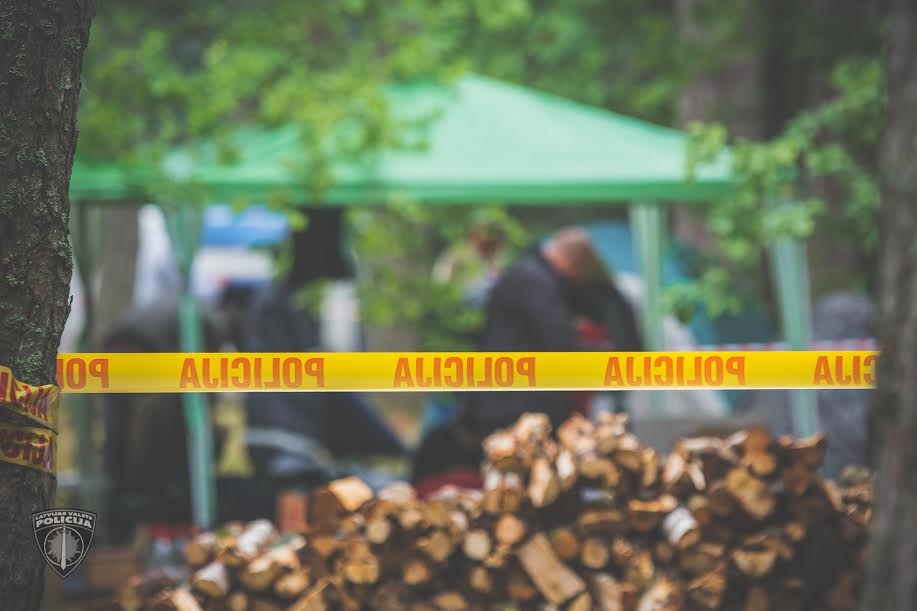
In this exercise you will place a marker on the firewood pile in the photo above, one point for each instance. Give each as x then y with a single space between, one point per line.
583 519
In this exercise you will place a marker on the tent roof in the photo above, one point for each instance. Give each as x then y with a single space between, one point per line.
490 141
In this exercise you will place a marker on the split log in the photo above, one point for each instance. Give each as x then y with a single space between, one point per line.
509 529
556 582
681 529
752 494
241 549
261 573
293 585
313 600
176 600
544 485
707 590
201 550
477 544
645 516
566 544
212 580
665 594
606 592
594 553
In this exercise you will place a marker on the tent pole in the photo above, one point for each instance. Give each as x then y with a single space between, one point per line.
788 256
646 224
184 225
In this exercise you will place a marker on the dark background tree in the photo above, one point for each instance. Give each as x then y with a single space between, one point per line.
892 578
41 53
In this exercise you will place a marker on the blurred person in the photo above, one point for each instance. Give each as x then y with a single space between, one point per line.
557 297
145 450
298 439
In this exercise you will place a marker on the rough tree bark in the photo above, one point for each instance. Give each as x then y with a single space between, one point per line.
41 51
892 577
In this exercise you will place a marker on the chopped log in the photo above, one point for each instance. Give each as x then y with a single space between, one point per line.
600 469
410 518
261 573
293 585
362 567
594 553
324 546
201 550
701 558
345 495
556 582
754 444
502 492
212 580
583 602
628 454
238 601
664 552
707 590
260 604
566 470
313 600
644 516
752 494
500 451
450 601
665 594
415 572
499 557
481 580
756 599
509 529
719 500
650 473
437 546
754 563
378 530
519 587
244 548
606 593
477 544
566 544
641 570
675 477
681 529
622 552
809 451
544 485
601 521
796 479
176 600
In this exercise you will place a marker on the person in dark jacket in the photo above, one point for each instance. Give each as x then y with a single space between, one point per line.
540 304
295 439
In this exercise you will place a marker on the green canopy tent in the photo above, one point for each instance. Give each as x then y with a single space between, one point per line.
478 141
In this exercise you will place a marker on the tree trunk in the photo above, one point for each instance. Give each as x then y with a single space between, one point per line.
41 51
892 578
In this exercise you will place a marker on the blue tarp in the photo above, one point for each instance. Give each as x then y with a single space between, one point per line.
256 226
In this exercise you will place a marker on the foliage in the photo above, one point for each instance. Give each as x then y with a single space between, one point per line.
818 149
399 246
163 74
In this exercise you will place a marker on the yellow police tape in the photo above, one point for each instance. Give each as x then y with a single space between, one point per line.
35 448
461 371
38 403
